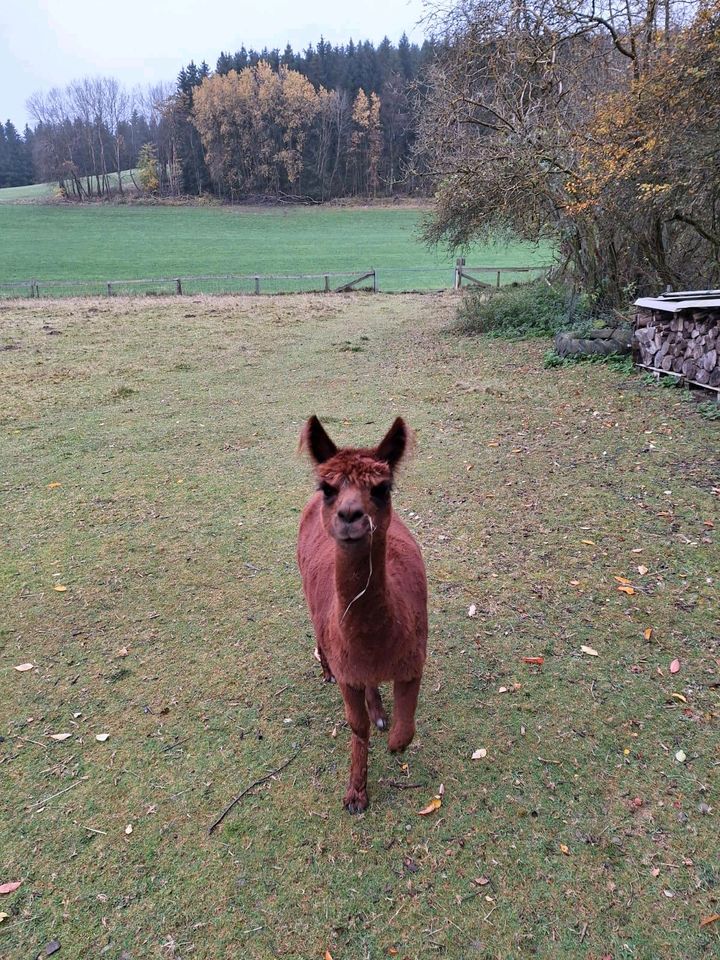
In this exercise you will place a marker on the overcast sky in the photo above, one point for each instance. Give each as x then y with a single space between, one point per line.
47 43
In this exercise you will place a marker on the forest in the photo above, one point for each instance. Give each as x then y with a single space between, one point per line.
330 121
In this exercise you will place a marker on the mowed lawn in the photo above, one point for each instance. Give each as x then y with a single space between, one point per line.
105 242
149 467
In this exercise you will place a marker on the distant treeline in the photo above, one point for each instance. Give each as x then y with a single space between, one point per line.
16 156
326 122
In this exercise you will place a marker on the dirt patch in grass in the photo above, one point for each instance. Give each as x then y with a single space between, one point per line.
149 467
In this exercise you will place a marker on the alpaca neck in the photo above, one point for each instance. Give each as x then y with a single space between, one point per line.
360 584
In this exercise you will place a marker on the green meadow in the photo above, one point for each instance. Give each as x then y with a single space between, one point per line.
102 242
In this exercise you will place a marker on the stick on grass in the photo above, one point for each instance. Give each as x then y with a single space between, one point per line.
247 790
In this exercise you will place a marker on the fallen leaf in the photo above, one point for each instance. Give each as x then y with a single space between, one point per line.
655 871
59 588
10 887
642 570
680 756
393 951
537 660
622 580
441 790
23 667
678 696
54 485
102 737
333 732
3 916
713 918
502 689
479 754
122 652
590 543
60 736
709 524
669 894
628 590
328 955
52 947
434 805
648 633
675 666
565 849
128 829
472 610
482 881
590 651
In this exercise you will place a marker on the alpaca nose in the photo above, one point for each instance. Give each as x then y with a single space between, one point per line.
351 513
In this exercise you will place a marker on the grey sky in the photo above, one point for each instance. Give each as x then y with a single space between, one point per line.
47 43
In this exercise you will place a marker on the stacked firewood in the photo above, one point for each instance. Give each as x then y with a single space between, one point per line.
686 343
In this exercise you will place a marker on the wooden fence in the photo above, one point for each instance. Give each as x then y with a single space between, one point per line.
413 279
463 272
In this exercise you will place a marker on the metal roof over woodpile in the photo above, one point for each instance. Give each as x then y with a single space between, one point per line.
682 300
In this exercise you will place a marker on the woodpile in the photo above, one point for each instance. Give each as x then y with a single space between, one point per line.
686 343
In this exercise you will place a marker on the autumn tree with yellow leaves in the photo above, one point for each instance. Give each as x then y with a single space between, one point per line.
366 142
589 124
254 125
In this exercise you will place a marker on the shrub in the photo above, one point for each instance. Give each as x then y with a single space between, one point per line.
531 310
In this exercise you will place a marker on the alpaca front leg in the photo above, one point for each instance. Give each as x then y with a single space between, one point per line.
403 723
356 798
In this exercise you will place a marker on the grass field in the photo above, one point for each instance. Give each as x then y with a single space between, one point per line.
41 192
149 468
102 242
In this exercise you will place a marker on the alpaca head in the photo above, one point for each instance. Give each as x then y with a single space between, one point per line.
355 483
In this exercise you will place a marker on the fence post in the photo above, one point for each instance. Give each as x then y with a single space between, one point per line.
459 264
375 284
327 283
178 286
498 280
109 289
257 285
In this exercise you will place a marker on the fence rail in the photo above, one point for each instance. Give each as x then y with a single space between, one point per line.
463 272
389 279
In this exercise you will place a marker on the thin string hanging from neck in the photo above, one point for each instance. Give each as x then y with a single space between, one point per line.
370 572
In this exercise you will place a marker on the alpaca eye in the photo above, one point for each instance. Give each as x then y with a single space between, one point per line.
328 491
380 492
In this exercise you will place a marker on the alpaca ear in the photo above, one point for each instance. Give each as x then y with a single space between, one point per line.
316 441
394 443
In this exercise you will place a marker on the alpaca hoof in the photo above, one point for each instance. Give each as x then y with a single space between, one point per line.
399 741
356 800
381 723
329 678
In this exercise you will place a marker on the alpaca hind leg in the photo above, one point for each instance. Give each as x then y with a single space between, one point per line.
327 672
375 708
356 798
403 724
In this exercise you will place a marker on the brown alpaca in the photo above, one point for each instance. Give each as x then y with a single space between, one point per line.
364 581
